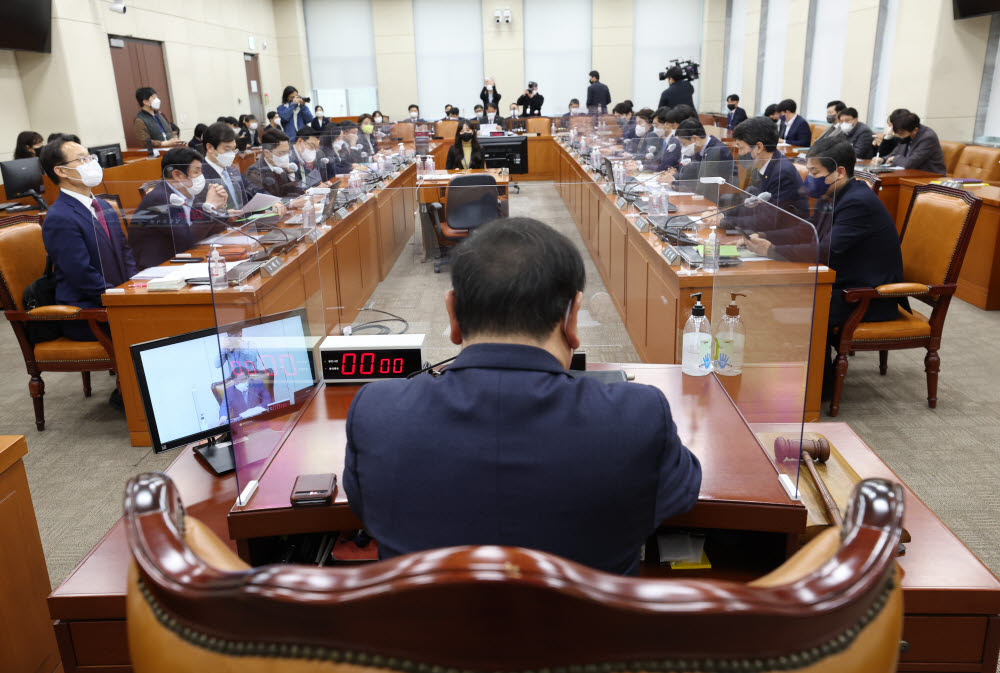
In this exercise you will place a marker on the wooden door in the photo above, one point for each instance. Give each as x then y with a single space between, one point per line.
138 63
254 88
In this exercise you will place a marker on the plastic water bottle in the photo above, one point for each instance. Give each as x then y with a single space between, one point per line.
308 214
420 168
402 150
429 164
552 131
217 269
711 251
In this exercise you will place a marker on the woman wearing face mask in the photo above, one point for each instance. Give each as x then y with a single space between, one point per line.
381 123
369 145
320 119
466 152
29 144
248 130
294 112
489 94
330 145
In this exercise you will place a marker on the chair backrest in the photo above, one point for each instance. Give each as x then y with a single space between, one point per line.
801 167
869 179
540 125
447 129
472 200
403 131
192 605
22 259
147 187
817 130
952 150
978 162
936 233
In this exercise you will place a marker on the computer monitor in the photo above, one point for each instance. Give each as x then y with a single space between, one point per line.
194 385
108 156
23 177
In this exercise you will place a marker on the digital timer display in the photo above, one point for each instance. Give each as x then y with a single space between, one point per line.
370 364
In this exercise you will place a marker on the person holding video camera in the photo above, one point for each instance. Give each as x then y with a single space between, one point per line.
680 91
293 112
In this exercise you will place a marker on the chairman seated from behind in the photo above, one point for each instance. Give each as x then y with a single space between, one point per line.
505 447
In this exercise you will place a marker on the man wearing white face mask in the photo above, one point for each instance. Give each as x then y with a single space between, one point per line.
220 153
82 234
179 211
858 133
491 116
310 171
273 172
150 124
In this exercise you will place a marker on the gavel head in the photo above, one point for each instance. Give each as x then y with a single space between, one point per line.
788 449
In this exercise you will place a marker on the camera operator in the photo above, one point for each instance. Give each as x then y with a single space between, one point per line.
294 112
680 91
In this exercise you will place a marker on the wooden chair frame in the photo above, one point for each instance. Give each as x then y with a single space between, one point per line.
19 319
938 297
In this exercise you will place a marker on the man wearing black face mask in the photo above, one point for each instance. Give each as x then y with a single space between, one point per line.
737 115
833 110
466 152
531 101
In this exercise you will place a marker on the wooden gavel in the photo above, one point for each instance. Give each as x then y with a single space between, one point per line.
809 451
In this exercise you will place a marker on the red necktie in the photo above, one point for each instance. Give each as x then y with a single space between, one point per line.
99 212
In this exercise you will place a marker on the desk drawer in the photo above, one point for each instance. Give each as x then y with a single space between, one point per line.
944 638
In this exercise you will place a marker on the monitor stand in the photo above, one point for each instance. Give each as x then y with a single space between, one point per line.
217 453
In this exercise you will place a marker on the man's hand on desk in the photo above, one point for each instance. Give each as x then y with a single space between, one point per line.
234 212
279 209
667 176
758 245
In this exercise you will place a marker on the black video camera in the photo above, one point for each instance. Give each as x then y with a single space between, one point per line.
306 99
688 70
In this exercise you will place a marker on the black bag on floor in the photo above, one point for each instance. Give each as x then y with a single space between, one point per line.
42 292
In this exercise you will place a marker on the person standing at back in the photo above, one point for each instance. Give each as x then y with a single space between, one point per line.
505 447
82 234
530 102
598 95
293 112
679 92
489 94
149 123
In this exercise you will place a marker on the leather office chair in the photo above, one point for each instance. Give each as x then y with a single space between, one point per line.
447 129
540 125
952 150
869 179
472 202
403 131
935 236
193 605
978 162
22 261
817 130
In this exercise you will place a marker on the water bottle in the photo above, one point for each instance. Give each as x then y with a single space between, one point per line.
217 269
402 151
711 251
431 168
552 131
308 214
420 168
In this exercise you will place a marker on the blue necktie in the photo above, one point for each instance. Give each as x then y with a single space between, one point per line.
229 186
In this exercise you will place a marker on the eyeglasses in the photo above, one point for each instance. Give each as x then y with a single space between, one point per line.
86 160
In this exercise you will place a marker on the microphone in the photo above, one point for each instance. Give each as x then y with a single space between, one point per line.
177 201
293 167
750 202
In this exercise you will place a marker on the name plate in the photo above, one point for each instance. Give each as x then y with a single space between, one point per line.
341 213
620 202
313 235
381 184
607 188
364 198
272 266
395 175
670 254
640 223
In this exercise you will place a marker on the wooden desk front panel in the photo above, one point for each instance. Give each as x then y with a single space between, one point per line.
26 639
979 280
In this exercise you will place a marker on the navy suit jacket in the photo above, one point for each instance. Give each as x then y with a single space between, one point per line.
244 191
783 181
736 117
714 160
86 263
669 155
158 230
799 134
261 178
507 448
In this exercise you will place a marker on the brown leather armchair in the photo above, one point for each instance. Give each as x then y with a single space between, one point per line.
934 239
192 605
22 261
447 129
952 150
976 161
540 125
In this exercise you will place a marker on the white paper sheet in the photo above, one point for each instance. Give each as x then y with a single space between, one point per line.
153 272
260 201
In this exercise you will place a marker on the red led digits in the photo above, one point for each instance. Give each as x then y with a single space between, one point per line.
397 366
370 357
348 370
383 365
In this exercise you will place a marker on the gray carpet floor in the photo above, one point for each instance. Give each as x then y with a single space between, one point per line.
78 466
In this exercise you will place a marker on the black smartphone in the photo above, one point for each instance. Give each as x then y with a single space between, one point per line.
186 260
313 489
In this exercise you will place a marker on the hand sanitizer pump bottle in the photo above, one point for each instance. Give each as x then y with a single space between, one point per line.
696 359
730 340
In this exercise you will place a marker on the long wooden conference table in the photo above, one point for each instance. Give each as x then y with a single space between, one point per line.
952 601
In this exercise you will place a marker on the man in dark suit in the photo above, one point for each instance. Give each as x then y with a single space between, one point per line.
492 115
82 234
857 133
218 169
179 211
919 148
272 173
737 115
679 90
792 128
598 95
530 101
772 172
310 170
505 447
703 156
